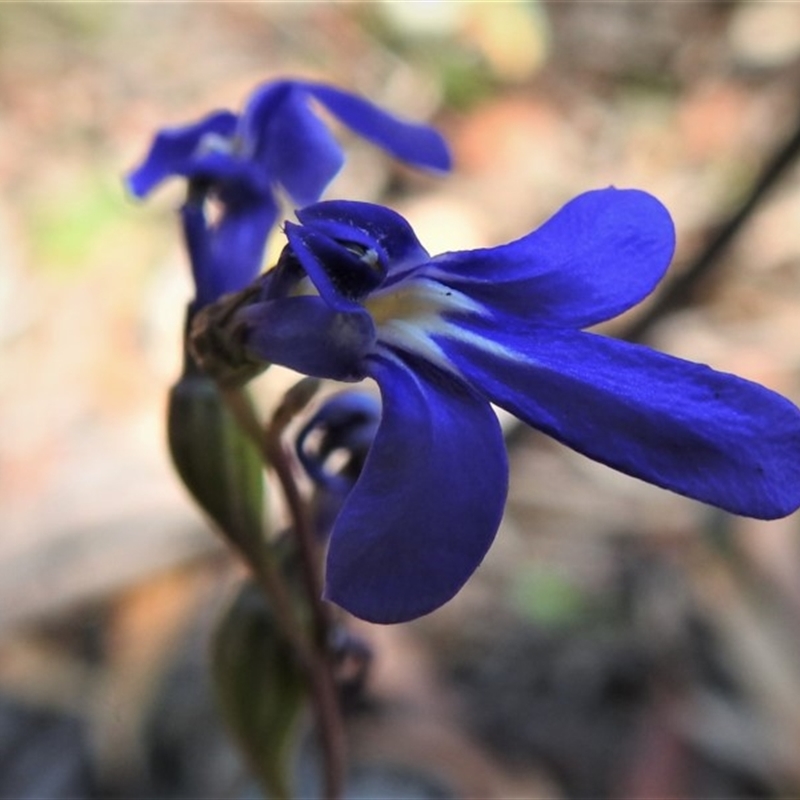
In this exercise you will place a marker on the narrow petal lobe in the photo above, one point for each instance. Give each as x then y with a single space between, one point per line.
679 425
416 144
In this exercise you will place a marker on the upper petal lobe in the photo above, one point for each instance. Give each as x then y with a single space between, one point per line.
297 149
599 255
351 220
174 149
416 144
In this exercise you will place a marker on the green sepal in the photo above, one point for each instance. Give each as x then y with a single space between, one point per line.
260 687
217 462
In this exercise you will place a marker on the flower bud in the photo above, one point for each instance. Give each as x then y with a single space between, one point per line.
218 464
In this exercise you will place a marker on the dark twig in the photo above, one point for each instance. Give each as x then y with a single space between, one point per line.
679 292
282 463
318 659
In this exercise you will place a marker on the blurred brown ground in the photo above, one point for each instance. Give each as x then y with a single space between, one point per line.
103 561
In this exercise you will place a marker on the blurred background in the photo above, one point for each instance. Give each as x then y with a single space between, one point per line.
619 641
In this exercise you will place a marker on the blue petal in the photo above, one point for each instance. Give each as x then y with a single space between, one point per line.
599 255
704 434
346 421
238 243
348 220
227 257
228 173
415 144
346 424
305 334
284 279
340 275
197 239
257 114
174 149
428 503
292 142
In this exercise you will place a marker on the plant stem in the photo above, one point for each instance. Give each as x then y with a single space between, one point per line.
316 657
282 462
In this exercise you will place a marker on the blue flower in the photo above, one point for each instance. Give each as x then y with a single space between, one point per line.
355 296
332 447
276 143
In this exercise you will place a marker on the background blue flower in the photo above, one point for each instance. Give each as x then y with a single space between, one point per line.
278 143
355 295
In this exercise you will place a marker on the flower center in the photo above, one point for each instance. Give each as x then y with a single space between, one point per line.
420 301
412 313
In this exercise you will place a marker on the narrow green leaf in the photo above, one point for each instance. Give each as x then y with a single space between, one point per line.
261 688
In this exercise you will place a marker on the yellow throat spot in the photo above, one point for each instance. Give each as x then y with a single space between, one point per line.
408 303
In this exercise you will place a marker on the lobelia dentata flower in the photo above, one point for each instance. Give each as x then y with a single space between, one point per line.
243 161
332 447
354 295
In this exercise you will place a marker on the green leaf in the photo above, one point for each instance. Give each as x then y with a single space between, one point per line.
261 688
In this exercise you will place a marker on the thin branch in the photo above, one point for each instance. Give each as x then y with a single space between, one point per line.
282 462
679 292
328 711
